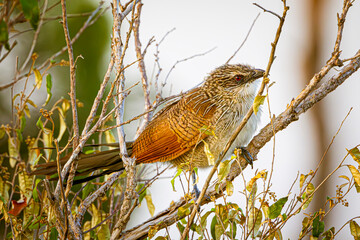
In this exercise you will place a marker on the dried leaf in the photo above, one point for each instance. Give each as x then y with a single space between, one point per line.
17 206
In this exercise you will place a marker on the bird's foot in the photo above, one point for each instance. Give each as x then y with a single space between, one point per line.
246 155
197 192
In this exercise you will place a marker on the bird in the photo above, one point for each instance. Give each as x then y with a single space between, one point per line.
187 129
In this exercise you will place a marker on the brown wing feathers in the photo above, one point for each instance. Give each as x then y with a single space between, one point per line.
170 134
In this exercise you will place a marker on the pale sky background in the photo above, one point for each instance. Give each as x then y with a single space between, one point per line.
202 25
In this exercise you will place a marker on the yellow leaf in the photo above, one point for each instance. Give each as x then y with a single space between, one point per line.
86 227
209 155
150 203
62 126
302 180
47 140
65 106
104 232
258 101
355 173
31 103
109 138
96 215
14 147
27 111
224 169
355 153
25 183
38 78
261 174
344 177
229 188
355 229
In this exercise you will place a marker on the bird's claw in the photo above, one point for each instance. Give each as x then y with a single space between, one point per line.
247 156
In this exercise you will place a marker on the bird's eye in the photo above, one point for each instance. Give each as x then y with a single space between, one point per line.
238 78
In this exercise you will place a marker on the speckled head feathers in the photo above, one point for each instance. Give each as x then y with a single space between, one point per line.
229 75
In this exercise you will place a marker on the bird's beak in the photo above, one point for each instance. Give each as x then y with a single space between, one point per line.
257 73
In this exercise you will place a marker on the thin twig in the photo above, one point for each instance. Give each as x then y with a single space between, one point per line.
245 39
265 10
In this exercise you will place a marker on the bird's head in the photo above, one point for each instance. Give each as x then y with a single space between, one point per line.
233 80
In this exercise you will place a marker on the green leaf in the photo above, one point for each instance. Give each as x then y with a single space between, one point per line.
309 190
258 101
275 209
329 234
355 230
31 11
142 194
2 132
355 153
48 88
40 124
185 210
355 173
4 34
318 226
22 123
212 227
254 222
179 171
35 193
203 219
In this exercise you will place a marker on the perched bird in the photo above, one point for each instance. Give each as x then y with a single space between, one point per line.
207 114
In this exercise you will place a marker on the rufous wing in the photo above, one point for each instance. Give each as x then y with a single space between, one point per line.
175 130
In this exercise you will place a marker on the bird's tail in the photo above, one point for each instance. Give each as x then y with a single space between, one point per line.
109 161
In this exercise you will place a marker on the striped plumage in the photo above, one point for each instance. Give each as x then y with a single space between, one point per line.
177 134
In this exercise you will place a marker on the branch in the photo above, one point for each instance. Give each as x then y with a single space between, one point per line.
144 79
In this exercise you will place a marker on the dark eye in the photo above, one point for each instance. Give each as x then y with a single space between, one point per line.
238 78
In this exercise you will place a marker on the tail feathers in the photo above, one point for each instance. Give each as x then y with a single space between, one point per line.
109 161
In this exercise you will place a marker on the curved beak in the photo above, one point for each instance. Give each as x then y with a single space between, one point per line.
257 73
